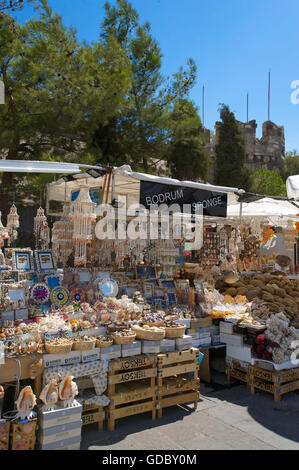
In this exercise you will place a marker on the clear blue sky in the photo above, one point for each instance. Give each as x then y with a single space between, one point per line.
233 42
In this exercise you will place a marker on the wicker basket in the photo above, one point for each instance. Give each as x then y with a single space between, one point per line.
157 323
103 344
123 339
58 348
84 345
175 332
149 335
116 328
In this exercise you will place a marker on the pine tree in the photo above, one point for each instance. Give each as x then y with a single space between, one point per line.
230 152
13 5
187 157
57 90
140 129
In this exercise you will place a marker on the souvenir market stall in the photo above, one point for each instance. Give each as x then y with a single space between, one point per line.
95 330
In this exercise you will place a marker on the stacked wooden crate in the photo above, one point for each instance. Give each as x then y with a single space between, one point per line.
93 414
131 387
177 379
276 382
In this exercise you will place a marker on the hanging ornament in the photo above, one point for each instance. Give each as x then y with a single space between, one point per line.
41 230
13 223
82 214
62 233
4 235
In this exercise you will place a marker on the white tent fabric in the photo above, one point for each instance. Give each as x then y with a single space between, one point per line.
265 207
22 166
127 183
292 185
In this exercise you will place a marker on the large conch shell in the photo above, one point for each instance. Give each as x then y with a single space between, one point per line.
67 391
49 395
1 399
25 404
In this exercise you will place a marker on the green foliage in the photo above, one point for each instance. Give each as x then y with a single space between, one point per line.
139 132
13 5
187 158
291 165
230 152
57 90
268 183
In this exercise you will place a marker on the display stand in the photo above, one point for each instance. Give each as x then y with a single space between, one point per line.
177 379
131 387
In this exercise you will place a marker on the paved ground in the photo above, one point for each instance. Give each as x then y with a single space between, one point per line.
225 419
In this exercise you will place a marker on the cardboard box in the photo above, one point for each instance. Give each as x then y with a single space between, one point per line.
111 352
240 353
205 341
60 416
91 355
4 434
184 321
151 347
73 357
54 360
195 342
133 349
233 340
167 345
201 322
60 433
23 434
183 343
74 443
226 327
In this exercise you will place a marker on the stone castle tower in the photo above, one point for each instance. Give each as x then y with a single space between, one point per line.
268 152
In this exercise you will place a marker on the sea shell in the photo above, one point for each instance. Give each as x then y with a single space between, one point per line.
49 394
25 403
68 390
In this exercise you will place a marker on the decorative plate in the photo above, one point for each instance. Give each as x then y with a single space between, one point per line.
59 296
77 295
40 293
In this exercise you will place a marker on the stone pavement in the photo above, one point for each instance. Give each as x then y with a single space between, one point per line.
230 418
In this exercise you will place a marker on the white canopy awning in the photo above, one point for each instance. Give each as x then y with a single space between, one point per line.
23 166
127 182
292 185
265 207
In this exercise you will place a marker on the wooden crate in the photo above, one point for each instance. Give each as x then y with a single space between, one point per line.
277 383
131 387
93 414
175 386
23 434
237 371
4 434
